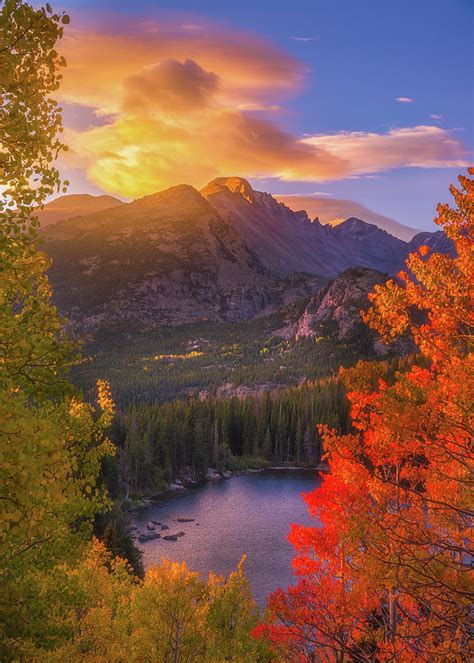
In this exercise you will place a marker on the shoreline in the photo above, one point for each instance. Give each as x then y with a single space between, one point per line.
181 486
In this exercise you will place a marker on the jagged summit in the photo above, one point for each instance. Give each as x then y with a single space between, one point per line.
233 184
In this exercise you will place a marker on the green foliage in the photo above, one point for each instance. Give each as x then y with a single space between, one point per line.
171 615
179 362
29 118
51 444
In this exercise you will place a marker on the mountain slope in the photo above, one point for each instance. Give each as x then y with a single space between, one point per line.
284 240
288 241
437 241
168 258
69 206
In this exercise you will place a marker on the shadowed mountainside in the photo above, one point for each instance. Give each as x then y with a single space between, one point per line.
227 253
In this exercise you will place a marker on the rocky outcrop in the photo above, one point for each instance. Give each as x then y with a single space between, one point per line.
229 389
334 311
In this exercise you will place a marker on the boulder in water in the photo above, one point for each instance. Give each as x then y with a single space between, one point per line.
170 537
143 538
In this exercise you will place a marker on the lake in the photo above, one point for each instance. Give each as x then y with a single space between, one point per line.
248 514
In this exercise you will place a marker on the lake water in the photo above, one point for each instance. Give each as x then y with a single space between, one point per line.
249 514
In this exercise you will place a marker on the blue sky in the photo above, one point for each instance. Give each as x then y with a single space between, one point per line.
358 57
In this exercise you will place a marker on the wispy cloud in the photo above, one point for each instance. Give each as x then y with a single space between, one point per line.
416 147
405 100
436 117
304 39
323 194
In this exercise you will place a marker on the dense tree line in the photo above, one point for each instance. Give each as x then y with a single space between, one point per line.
161 365
158 443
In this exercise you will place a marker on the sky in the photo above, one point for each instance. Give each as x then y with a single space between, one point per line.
369 100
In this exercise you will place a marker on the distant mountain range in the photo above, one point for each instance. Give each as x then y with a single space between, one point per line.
76 204
334 211
226 253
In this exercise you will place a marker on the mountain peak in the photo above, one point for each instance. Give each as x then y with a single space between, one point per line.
233 184
184 196
356 225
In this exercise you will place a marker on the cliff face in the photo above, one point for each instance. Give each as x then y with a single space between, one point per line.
334 310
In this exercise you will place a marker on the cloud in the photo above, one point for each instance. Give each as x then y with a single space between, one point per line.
436 117
303 39
156 104
249 67
405 100
138 157
309 194
169 85
416 147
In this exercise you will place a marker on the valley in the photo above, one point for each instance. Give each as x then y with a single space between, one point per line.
220 319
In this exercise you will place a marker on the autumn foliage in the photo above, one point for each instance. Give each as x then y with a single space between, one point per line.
385 575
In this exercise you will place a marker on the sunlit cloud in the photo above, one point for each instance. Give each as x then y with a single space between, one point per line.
416 147
405 100
150 105
250 67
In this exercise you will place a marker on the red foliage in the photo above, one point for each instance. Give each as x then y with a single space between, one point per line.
385 577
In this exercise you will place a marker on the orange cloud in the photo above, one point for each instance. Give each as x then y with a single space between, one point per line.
249 67
169 85
188 102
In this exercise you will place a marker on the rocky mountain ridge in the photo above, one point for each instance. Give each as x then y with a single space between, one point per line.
227 253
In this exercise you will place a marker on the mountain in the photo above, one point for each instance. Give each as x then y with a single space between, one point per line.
437 241
77 204
227 253
165 259
334 211
288 241
370 246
